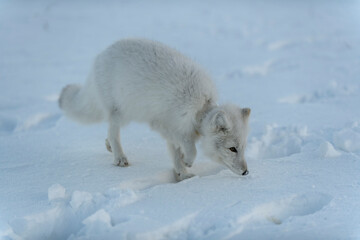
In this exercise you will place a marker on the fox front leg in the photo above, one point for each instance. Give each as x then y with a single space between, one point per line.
108 146
189 150
179 166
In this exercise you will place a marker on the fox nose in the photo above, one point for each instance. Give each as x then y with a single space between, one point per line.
246 172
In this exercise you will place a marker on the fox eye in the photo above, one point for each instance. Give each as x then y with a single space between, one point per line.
233 149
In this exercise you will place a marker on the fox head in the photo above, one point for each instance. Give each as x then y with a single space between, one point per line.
225 130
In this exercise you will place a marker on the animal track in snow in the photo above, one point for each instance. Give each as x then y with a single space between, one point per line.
146 183
278 212
335 90
298 205
73 213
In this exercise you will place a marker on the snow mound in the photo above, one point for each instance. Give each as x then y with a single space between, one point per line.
277 142
52 224
327 150
100 217
83 214
95 225
348 139
81 199
121 197
56 192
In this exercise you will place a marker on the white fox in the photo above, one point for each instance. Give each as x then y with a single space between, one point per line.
145 81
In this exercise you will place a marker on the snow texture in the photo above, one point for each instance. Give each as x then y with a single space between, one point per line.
56 192
294 63
278 142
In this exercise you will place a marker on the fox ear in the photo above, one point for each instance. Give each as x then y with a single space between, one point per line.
220 122
245 113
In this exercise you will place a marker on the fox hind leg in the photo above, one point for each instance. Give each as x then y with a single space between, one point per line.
113 143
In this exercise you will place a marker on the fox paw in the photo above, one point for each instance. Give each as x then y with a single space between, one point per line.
187 164
182 176
121 161
108 146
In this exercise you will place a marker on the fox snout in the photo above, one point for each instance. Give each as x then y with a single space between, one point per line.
239 167
244 167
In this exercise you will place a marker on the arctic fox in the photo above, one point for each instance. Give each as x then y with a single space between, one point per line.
145 81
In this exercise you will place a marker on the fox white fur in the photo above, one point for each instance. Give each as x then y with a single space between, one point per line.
146 81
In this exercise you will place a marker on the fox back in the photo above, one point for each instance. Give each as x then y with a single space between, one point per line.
150 82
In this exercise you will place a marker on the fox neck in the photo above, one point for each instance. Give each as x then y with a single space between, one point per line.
201 115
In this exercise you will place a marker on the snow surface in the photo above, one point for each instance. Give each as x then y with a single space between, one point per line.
295 63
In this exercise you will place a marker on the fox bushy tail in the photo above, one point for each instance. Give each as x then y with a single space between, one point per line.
81 103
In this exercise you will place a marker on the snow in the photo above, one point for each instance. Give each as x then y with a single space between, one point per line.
279 211
97 223
278 142
56 192
348 139
328 150
295 63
